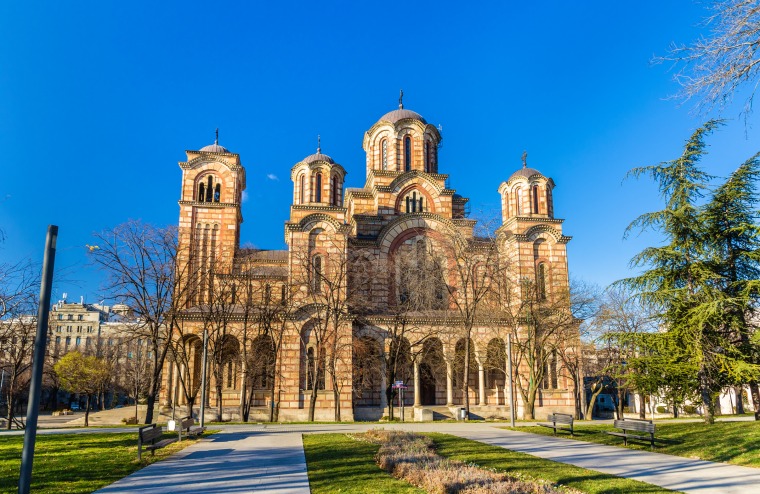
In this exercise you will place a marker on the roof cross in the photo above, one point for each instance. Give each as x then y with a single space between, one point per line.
525 159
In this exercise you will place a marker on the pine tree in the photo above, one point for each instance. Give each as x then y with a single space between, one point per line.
675 273
734 257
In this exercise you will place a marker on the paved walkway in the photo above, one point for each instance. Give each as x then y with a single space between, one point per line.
269 459
232 462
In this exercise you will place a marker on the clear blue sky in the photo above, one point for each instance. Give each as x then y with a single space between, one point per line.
99 100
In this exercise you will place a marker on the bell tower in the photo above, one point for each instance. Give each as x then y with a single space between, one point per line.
213 181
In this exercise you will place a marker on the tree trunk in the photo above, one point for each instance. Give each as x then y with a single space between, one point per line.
87 411
738 391
312 403
466 380
708 404
755 392
596 390
10 402
642 409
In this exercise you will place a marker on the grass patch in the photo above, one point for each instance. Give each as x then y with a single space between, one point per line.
337 463
77 463
728 442
526 466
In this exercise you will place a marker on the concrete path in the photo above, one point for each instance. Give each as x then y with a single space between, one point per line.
671 472
269 459
233 462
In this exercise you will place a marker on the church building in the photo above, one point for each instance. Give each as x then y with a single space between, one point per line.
383 288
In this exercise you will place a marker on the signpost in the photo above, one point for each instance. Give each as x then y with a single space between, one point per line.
400 386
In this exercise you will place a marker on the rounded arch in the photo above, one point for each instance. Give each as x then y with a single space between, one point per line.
432 372
495 367
261 362
408 201
367 355
312 367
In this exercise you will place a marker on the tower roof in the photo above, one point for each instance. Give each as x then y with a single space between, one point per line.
526 172
402 113
318 157
215 147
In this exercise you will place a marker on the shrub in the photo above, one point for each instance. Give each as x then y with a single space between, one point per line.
129 420
690 409
411 457
661 409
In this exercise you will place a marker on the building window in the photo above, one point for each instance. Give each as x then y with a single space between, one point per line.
316 279
79 340
87 342
71 317
202 192
57 340
541 281
302 188
68 329
89 329
384 153
535 199
318 188
336 191
68 341
313 367
60 317
79 317
58 329
414 202
427 156
407 153
518 200
79 329
267 294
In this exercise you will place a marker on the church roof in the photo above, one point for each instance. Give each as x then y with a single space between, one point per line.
526 172
402 113
214 148
318 156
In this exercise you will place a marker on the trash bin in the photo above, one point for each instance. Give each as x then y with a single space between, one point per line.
462 414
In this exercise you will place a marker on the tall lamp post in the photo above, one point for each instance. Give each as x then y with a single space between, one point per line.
203 378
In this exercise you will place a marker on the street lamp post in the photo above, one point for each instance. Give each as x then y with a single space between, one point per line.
203 378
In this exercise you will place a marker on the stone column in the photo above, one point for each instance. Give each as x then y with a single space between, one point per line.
481 385
449 384
417 394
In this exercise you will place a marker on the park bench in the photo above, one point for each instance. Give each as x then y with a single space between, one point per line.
188 427
561 421
635 425
147 437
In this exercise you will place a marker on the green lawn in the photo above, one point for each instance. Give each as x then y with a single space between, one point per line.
76 463
728 442
527 466
337 463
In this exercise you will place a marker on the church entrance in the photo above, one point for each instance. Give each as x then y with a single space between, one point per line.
427 384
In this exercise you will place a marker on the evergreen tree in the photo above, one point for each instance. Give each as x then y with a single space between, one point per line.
734 257
675 273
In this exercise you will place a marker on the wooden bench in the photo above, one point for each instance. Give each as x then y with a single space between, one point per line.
147 437
187 425
635 425
561 421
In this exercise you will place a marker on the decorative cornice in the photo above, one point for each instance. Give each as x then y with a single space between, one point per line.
212 205
307 207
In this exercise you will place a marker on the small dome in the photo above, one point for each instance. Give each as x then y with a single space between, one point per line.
318 157
214 148
525 172
400 114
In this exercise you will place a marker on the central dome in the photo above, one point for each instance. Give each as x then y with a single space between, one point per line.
400 114
318 156
214 148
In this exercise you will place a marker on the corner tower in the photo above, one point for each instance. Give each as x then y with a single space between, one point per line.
213 181
534 243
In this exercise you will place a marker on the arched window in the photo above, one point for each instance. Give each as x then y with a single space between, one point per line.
414 202
217 192
384 153
318 188
336 191
267 294
518 200
427 156
313 367
283 294
541 281
535 198
201 192
68 341
316 278
301 188
209 188
79 340
407 153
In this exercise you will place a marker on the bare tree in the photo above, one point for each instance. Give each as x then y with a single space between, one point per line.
473 266
714 68
141 263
